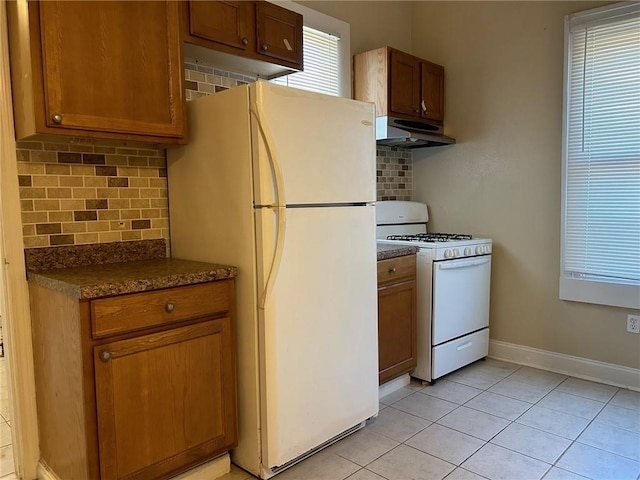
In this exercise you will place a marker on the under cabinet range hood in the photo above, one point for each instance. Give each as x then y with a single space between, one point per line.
396 132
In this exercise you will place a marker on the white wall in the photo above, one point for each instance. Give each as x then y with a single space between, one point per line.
504 64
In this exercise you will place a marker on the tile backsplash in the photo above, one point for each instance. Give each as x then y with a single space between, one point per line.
80 193
394 177
76 191
202 79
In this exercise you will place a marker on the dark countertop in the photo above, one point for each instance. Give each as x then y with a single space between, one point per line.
95 281
386 251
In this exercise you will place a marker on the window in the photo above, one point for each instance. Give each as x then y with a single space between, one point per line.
601 157
327 54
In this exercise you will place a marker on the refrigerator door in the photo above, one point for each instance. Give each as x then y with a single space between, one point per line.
319 148
318 326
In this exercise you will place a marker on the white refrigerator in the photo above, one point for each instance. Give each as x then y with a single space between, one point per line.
281 183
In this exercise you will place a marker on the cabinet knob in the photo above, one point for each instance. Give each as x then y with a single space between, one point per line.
169 307
392 270
245 40
265 47
105 356
57 119
416 111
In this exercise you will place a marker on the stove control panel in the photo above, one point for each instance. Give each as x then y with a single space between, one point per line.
450 253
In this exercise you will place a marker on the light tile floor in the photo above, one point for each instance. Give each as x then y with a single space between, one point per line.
492 420
6 447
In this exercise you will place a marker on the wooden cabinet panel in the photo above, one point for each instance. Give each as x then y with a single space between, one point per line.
397 316
397 269
165 398
108 69
140 404
401 85
405 84
127 313
245 36
396 330
227 23
279 33
432 91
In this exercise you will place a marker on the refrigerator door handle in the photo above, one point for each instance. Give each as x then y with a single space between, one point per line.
277 256
258 112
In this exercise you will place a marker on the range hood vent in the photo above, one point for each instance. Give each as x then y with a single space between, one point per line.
411 135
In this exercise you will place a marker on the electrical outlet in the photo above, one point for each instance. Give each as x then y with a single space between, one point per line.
633 323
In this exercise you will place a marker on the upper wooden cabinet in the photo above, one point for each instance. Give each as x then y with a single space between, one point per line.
279 34
251 30
109 69
228 24
401 85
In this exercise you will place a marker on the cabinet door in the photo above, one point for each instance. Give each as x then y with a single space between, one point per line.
165 400
405 84
112 66
228 23
432 91
279 34
396 329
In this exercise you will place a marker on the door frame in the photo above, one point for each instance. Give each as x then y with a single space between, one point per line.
14 305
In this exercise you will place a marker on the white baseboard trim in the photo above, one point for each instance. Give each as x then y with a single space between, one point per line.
393 385
579 367
214 469
44 473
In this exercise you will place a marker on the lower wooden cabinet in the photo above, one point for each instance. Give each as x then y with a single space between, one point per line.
397 348
141 404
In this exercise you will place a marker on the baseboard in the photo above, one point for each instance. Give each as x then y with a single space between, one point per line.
393 385
214 469
579 367
44 473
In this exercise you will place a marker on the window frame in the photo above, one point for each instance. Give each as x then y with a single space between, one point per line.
320 21
619 294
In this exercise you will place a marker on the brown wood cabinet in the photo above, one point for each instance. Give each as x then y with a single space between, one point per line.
252 30
397 347
105 69
401 85
137 386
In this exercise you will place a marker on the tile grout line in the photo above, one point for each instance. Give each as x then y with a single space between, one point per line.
511 422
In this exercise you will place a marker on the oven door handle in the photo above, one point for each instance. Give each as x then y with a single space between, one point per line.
450 265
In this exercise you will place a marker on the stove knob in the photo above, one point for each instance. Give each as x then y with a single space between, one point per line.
467 251
448 253
487 249
478 250
456 252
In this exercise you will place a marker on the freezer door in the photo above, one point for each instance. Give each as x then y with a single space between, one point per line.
318 327
311 148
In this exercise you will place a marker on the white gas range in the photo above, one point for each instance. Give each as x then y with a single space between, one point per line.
453 280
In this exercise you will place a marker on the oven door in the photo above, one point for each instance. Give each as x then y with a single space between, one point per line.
460 297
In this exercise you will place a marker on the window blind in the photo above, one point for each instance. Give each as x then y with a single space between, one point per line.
321 64
602 150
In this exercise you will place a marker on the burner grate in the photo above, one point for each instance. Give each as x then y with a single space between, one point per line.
431 237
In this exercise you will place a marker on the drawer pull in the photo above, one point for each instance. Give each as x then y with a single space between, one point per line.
169 307
105 356
464 345
393 270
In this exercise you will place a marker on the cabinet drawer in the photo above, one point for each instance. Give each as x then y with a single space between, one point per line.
124 313
396 269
